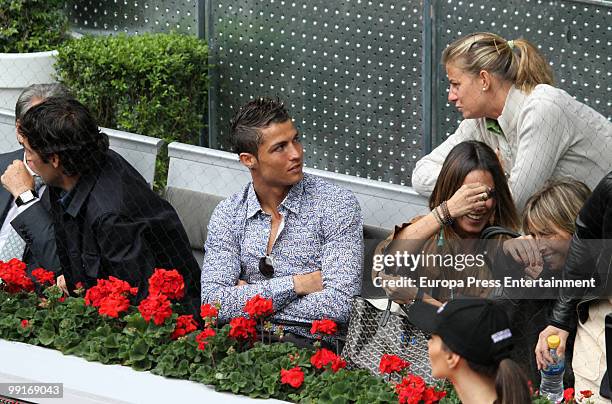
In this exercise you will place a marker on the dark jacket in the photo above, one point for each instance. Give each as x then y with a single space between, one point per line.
589 256
112 224
39 236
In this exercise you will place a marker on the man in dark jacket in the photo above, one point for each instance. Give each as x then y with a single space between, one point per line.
108 221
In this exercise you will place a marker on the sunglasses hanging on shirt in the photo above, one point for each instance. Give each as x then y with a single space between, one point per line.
266 266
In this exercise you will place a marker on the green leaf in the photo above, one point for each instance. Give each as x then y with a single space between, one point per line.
112 341
46 336
135 322
340 388
31 26
139 350
142 365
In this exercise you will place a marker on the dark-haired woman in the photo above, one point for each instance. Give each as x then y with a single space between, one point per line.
471 194
470 345
503 89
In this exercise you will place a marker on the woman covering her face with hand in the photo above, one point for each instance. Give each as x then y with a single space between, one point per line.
549 220
470 195
504 90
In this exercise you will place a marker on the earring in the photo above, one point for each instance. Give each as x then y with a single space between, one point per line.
484 89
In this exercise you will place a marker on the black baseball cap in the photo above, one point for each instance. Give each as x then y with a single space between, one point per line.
476 329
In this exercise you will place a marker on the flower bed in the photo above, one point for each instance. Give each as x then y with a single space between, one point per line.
102 326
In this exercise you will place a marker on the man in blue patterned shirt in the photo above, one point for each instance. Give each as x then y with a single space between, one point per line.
288 236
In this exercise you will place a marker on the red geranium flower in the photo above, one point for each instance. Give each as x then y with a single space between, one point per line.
431 395
104 288
43 276
322 357
156 307
293 358
258 306
13 274
325 326
184 325
568 394
338 364
112 305
242 327
25 323
169 283
202 338
79 288
410 389
16 264
208 311
110 296
586 393
392 363
118 286
95 294
293 377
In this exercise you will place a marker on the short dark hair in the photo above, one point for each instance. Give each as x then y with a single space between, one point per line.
245 127
64 126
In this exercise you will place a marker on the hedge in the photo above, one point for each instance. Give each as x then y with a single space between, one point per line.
151 84
32 25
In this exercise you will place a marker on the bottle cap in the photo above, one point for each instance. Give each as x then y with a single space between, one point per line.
553 341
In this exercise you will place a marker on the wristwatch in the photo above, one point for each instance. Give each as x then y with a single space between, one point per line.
26 197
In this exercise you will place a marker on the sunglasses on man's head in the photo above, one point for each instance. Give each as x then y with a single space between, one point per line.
266 266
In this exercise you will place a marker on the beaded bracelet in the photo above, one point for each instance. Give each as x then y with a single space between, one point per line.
448 219
437 216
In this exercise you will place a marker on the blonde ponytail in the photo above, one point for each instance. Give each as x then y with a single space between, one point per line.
517 61
532 67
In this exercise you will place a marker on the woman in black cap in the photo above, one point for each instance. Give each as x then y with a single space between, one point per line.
470 346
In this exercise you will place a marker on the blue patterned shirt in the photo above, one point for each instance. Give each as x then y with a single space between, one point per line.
322 231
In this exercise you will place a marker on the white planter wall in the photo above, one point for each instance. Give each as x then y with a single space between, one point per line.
8 137
19 70
220 173
94 383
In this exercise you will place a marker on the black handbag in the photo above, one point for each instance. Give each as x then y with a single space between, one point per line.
495 249
373 332
493 231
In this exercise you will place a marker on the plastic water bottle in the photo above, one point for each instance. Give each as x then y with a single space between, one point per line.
551 385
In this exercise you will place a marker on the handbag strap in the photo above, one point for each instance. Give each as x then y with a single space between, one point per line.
293 323
493 231
303 324
386 314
